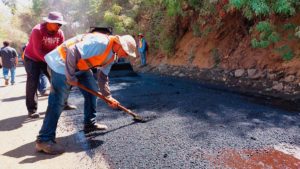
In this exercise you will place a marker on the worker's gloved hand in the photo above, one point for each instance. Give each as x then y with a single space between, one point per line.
72 83
113 103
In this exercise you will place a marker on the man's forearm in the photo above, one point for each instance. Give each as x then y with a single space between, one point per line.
103 83
71 61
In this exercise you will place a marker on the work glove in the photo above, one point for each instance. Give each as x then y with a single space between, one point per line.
72 83
113 103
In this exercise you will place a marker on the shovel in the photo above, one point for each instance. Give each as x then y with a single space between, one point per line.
135 116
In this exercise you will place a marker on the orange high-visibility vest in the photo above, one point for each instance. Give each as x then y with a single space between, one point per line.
93 61
23 55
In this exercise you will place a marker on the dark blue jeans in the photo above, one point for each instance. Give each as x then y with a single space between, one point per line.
143 58
43 83
60 90
12 74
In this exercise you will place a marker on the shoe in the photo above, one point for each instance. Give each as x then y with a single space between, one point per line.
49 147
46 93
94 127
12 83
70 107
33 115
6 82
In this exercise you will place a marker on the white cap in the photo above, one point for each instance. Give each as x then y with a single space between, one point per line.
128 44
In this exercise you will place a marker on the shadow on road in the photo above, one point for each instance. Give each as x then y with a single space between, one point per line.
11 99
24 81
32 156
96 134
21 75
15 122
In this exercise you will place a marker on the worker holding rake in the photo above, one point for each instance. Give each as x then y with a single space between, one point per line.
70 64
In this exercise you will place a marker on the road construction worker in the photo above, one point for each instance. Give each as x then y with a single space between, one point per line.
142 47
71 64
44 38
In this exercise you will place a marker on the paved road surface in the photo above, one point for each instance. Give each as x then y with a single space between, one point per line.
195 127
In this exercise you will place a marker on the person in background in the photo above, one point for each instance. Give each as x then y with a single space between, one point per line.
43 84
142 48
9 59
71 64
44 37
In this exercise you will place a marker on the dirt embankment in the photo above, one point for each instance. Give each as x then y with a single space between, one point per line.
224 56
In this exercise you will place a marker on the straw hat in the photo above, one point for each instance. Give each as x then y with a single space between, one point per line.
128 44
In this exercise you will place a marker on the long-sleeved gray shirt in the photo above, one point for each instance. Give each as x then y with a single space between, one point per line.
73 57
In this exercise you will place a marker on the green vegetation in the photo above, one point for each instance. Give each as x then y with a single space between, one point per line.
263 10
289 26
255 8
286 52
173 7
120 22
267 35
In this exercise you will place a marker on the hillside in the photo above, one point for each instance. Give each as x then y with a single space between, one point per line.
225 56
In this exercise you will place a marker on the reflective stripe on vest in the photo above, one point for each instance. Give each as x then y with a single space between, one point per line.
23 55
97 60
62 49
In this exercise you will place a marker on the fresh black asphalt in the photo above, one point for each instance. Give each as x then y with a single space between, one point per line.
188 123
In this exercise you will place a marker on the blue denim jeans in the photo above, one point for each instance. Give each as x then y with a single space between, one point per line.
60 90
12 74
143 58
43 83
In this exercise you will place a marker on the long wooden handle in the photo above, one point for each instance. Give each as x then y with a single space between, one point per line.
98 94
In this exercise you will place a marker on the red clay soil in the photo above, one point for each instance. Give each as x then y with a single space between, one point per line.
231 45
254 159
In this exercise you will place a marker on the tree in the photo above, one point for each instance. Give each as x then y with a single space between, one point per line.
11 4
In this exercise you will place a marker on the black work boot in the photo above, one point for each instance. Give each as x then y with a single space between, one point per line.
33 115
94 127
70 107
